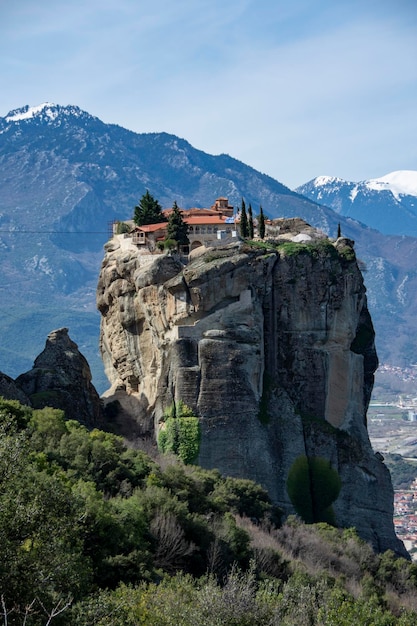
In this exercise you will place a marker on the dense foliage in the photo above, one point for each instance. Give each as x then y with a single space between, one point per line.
250 223
180 433
261 223
403 472
313 485
148 211
243 223
177 229
95 533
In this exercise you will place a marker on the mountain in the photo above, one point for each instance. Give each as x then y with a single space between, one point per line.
65 175
388 204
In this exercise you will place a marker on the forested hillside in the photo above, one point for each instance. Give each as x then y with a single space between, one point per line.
94 533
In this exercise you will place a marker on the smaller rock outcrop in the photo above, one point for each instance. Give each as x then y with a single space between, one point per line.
61 378
11 391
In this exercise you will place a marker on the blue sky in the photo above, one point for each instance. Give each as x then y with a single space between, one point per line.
295 89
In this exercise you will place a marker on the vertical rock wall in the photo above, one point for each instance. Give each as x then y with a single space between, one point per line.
274 351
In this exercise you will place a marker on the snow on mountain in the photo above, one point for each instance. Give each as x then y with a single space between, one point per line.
327 180
400 183
47 112
388 203
27 112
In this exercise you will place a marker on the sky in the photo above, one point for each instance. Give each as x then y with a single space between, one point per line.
294 88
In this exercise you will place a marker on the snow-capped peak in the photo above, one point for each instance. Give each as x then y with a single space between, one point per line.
321 181
402 182
27 112
45 113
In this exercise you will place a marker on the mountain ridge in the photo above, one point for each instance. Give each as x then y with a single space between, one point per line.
388 203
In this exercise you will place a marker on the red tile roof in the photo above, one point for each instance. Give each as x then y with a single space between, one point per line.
151 228
205 219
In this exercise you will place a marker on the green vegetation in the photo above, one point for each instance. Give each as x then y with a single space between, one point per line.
180 433
261 224
168 245
347 254
250 222
177 229
148 211
95 534
244 226
317 249
403 472
122 228
313 485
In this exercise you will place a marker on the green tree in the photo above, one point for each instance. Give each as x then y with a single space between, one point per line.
42 565
250 222
313 485
261 224
177 229
339 231
244 226
148 211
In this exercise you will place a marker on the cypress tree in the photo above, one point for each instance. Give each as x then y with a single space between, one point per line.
148 211
261 224
250 224
244 227
339 231
177 229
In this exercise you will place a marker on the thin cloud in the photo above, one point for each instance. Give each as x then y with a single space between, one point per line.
294 89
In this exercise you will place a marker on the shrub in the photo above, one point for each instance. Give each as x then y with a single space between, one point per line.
180 433
122 228
12 413
170 244
313 485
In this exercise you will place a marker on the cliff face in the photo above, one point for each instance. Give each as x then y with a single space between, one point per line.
273 349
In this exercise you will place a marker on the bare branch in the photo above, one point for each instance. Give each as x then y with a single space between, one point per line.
28 610
61 606
3 606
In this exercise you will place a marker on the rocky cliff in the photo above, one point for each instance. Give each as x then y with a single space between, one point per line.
60 378
271 347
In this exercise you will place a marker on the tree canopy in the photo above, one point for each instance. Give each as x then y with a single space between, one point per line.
148 211
250 222
93 533
177 229
244 226
261 223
